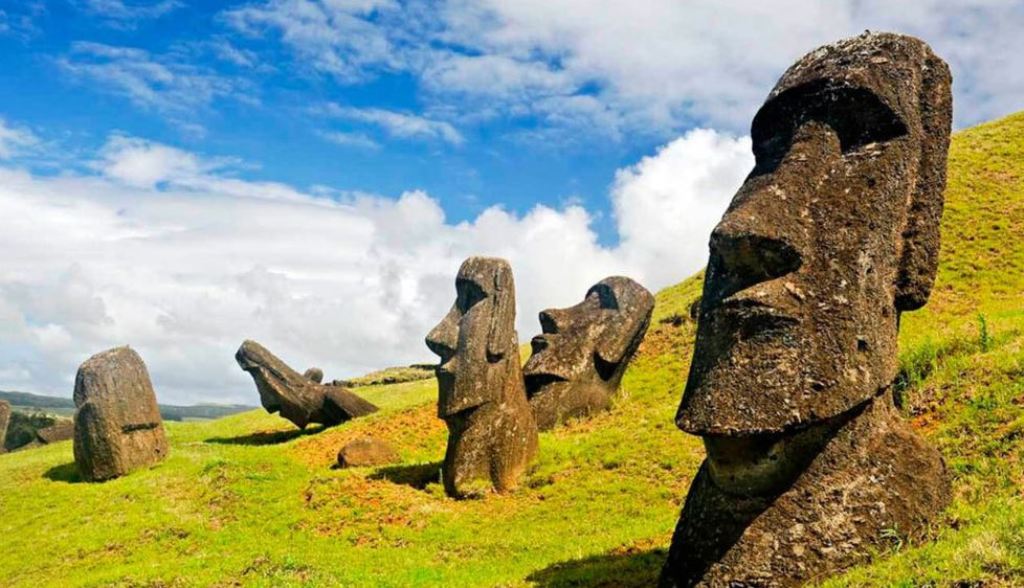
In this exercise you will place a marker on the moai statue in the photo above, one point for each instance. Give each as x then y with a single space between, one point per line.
578 361
5 419
832 236
298 397
117 421
492 435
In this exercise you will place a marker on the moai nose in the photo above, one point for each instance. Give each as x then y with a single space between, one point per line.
549 321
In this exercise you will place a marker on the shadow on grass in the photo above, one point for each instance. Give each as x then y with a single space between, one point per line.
626 570
266 437
416 475
67 473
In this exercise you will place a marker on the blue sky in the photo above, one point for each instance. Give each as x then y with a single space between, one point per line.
181 175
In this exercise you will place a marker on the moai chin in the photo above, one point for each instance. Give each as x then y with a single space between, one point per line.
300 398
492 435
833 235
578 361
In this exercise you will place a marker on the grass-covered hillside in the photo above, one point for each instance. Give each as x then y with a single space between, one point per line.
247 500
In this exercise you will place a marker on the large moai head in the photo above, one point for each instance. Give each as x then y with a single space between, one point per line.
833 234
492 434
579 358
300 398
117 421
476 340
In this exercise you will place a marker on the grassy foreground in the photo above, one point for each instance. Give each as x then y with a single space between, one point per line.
247 500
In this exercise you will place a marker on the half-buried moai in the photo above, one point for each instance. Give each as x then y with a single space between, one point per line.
117 421
834 234
300 398
492 435
5 420
578 361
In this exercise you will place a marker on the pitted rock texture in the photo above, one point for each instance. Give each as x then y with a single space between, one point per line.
833 235
492 434
5 419
578 360
295 396
366 451
117 426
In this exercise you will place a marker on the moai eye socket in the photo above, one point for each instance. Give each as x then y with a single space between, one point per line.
857 115
469 294
605 296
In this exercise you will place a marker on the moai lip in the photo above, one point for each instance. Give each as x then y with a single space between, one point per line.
578 360
832 236
300 398
117 427
492 434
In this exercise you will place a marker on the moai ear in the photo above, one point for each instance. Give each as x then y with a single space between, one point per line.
920 258
501 335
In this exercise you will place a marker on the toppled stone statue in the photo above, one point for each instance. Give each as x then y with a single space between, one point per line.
832 236
366 451
60 430
5 419
117 423
297 397
492 435
578 361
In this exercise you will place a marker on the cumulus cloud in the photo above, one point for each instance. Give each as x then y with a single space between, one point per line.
651 66
167 251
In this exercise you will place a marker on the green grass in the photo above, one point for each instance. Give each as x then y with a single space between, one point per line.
246 500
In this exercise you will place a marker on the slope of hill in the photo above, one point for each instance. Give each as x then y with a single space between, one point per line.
246 500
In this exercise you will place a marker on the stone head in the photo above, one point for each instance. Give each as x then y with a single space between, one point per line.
282 389
476 340
584 349
832 235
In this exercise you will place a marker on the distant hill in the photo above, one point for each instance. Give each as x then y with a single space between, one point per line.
27 402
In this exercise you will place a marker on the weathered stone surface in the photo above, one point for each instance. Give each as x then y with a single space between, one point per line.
62 430
366 451
315 374
831 237
578 361
492 435
117 426
296 397
5 419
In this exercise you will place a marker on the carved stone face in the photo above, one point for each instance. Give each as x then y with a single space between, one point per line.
833 234
578 361
476 340
299 398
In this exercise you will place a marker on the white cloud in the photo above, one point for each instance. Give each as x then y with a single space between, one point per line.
161 83
15 140
164 250
653 66
122 14
344 139
397 124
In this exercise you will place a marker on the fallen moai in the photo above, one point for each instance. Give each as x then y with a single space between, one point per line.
117 426
492 435
832 236
297 397
578 361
